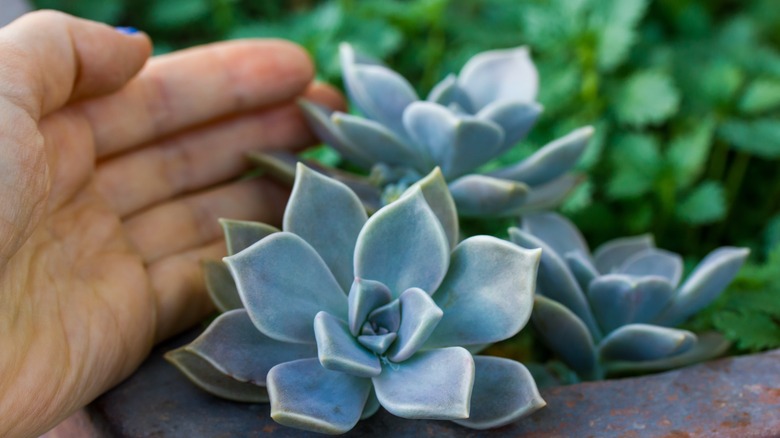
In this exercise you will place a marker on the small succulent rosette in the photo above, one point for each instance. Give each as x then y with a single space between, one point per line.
340 313
466 121
612 313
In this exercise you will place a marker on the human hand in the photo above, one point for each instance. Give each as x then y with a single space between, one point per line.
111 184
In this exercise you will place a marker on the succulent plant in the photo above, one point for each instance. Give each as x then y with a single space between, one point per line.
613 312
340 313
465 122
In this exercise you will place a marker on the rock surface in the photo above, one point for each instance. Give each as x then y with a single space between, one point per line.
730 397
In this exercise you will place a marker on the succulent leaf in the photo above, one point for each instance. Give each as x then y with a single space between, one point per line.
380 93
549 195
372 405
487 295
639 342
220 285
419 317
504 391
582 268
240 235
556 281
551 161
515 118
339 350
708 346
235 348
618 299
377 343
203 374
364 297
374 139
566 335
307 396
611 255
332 232
448 92
433 384
438 197
457 143
281 302
497 75
556 231
319 119
657 262
481 195
403 245
704 284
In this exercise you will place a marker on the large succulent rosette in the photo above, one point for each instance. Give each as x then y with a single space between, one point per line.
613 312
340 313
466 121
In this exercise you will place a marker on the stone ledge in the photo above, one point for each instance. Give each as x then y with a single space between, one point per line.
738 396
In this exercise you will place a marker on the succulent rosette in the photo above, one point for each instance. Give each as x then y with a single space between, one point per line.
613 312
340 313
466 121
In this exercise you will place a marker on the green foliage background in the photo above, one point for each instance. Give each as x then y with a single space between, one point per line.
685 96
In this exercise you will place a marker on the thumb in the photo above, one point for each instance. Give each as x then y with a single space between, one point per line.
48 59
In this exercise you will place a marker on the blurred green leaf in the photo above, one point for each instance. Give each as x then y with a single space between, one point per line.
760 137
636 159
615 21
688 152
706 203
646 98
177 13
762 95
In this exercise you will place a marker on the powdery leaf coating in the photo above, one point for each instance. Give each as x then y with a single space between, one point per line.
419 317
307 396
220 285
422 387
618 299
338 350
637 342
499 75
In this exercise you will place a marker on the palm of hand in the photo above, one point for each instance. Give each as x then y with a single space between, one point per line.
111 202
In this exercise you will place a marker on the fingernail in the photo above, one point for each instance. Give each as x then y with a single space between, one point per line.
127 30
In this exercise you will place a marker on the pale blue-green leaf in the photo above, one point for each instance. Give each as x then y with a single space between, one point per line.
377 343
307 396
638 342
582 268
328 216
240 235
487 295
515 118
763 94
439 198
419 317
364 297
338 350
376 140
566 335
708 346
654 261
485 196
319 119
234 346
372 405
434 385
203 374
457 144
504 391
403 245
618 299
609 256
704 284
551 161
381 94
549 195
556 281
387 317
500 75
281 299
220 285
447 92
556 231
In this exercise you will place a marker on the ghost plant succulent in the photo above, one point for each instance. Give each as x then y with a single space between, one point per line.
466 121
613 312
340 313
